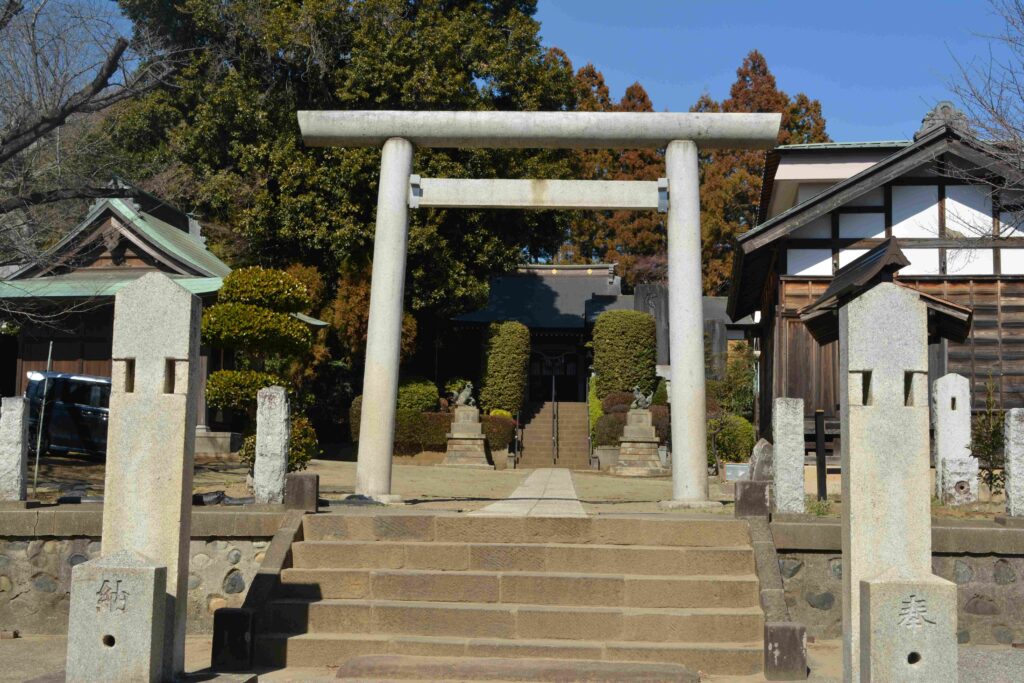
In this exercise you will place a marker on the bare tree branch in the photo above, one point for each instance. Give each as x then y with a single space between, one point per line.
8 10
29 199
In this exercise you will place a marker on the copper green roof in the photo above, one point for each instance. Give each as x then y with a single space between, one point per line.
83 286
177 243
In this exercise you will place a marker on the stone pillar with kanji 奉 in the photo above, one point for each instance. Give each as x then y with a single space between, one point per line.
899 619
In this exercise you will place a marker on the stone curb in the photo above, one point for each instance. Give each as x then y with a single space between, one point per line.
64 521
979 536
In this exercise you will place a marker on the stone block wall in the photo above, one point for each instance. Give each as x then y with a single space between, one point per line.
990 593
35 579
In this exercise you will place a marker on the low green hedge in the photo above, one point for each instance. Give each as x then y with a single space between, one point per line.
302 447
417 431
237 389
660 394
417 393
733 436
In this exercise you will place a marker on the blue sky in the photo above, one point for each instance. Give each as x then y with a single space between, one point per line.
875 66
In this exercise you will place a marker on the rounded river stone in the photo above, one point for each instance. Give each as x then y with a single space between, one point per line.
1003 634
77 559
835 568
979 604
1003 573
234 556
822 601
234 582
194 581
963 636
44 583
789 567
962 572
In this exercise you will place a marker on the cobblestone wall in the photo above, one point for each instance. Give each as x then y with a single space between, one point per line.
990 593
35 579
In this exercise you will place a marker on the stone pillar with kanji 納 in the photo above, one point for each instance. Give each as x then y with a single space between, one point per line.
899 619
147 508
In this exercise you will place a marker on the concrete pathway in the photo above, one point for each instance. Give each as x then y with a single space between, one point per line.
545 493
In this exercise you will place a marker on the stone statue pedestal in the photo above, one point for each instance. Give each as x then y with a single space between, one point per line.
467 445
638 448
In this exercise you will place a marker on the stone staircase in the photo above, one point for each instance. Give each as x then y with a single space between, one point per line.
610 588
573 444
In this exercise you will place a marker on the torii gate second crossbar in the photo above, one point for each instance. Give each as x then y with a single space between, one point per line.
678 194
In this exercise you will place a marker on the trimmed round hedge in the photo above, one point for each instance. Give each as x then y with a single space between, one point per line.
733 436
417 393
505 376
302 446
417 431
624 352
237 389
256 329
264 287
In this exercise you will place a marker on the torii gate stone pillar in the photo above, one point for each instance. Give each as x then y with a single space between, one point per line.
398 132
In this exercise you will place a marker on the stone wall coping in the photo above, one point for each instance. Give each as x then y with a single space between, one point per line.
975 536
87 520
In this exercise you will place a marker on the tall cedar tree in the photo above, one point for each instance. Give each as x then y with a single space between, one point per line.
731 179
620 237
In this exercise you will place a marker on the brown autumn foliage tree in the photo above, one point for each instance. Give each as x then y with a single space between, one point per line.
731 179
349 318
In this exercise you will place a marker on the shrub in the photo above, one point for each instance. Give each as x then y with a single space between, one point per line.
732 437
454 385
617 402
735 392
987 441
302 447
417 393
266 288
608 429
624 352
255 329
410 429
237 389
354 412
593 407
499 431
498 412
505 376
660 394
662 420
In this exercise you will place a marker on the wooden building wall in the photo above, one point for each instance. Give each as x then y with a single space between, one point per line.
800 368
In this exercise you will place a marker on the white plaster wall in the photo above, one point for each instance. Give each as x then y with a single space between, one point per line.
862 225
819 228
809 262
875 197
1011 261
922 262
915 211
969 262
968 210
806 191
848 256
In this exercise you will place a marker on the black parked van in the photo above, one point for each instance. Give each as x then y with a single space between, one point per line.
77 407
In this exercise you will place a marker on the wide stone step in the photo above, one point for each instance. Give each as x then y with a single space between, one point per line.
535 557
675 531
540 588
333 649
477 620
413 668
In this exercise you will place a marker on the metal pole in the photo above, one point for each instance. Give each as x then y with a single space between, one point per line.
819 452
42 419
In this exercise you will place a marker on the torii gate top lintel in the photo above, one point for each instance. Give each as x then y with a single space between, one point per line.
540 129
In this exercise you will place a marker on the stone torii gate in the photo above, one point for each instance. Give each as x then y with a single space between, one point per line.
399 132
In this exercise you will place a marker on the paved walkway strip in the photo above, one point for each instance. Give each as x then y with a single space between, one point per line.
545 493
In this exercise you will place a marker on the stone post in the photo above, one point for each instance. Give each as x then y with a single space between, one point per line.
13 449
638 447
951 407
788 455
686 328
273 433
384 331
897 616
151 437
1013 464
116 625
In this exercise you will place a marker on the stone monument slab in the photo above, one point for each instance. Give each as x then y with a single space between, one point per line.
908 630
116 626
1013 436
273 433
788 455
959 481
951 408
13 449
761 462
151 436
